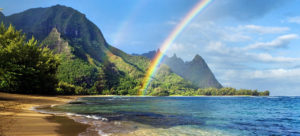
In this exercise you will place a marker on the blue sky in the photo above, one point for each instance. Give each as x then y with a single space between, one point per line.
247 43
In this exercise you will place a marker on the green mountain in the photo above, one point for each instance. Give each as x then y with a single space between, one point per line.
195 71
74 27
88 63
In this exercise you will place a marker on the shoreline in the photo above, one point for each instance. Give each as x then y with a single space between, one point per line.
18 117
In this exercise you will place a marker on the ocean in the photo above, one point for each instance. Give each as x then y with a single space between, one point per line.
176 116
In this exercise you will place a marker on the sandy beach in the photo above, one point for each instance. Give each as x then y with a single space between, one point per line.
17 118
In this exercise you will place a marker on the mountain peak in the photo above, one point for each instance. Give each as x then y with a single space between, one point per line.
55 31
1 14
174 55
73 26
176 59
56 43
197 58
149 55
59 6
195 71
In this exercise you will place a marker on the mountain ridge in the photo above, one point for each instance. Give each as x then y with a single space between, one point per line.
196 70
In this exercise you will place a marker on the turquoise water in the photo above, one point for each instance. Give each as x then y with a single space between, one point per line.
187 115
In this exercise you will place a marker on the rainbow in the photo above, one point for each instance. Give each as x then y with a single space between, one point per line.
168 42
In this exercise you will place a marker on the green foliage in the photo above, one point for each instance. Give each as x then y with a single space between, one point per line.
159 92
117 82
127 85
264 93
77 72
68 89
223 91
24 66
100 84
167 80
139 62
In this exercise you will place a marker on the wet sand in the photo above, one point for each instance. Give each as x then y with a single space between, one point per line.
17 118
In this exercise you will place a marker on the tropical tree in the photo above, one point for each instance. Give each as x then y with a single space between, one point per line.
25 67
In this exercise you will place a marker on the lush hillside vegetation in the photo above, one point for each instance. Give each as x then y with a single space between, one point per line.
87 63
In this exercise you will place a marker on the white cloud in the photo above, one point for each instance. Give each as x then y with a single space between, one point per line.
172 22
218 47
276 73
294 19
177 47
265 57
265 29
279 42
209 29
241 55
234 36
277 80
